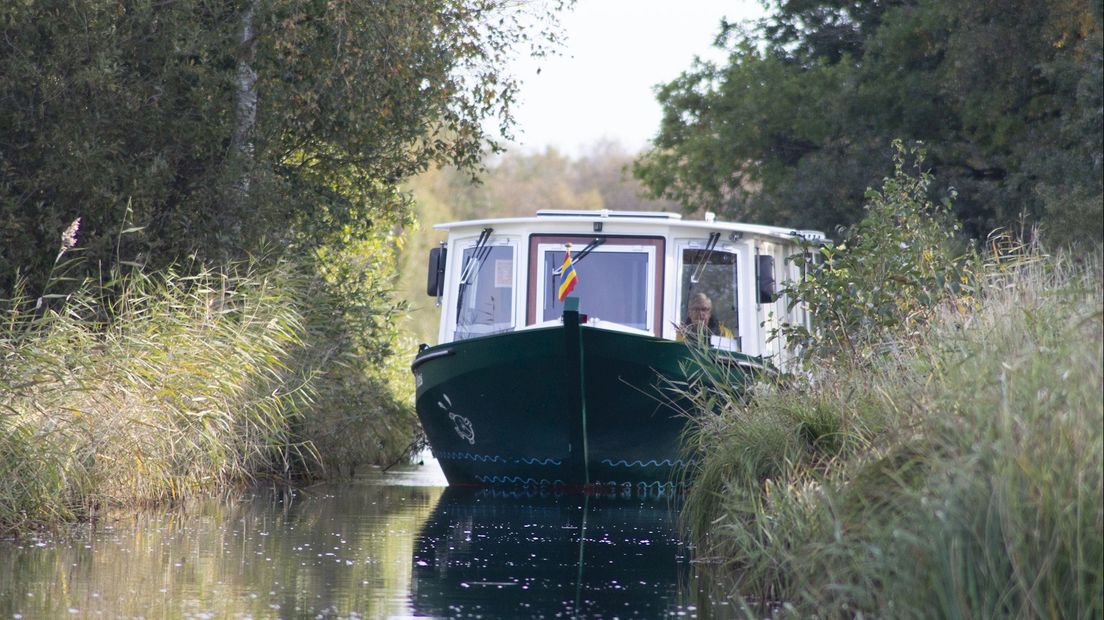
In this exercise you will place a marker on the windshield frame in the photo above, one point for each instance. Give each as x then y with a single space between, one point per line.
736 319
653 246
463 330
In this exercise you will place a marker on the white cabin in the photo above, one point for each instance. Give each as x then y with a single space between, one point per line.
636 273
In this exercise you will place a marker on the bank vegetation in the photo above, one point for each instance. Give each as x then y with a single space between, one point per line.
941 451
182 382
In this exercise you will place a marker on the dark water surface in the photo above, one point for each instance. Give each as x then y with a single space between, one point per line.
388 545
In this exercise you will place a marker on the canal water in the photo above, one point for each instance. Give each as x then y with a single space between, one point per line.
386 545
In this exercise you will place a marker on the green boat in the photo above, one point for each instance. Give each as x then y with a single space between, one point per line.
534 386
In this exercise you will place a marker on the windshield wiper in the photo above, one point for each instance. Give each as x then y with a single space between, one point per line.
481 249
582 254
700 267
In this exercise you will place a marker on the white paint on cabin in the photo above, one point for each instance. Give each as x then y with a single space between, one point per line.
522 294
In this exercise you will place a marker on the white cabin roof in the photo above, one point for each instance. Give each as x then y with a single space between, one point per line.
546 218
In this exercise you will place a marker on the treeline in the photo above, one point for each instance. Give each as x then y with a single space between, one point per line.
1006 95
520 184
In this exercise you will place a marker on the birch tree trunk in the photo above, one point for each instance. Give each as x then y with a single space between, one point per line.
240 164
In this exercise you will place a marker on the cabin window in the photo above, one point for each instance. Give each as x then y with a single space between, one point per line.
712 274
616 282
764 275
485 299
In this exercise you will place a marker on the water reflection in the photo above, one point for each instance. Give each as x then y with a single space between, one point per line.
327 551
501 555
385 546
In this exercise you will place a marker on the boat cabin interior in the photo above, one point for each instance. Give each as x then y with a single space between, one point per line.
636 272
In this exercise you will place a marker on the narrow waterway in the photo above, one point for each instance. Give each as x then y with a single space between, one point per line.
387 545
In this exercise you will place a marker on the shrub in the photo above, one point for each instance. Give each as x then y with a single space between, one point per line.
884 281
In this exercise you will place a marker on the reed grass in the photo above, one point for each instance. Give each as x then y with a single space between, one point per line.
156 387
185 387
959 475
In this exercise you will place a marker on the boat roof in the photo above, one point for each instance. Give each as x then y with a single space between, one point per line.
544 217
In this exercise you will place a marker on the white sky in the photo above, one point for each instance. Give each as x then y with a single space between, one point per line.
617 51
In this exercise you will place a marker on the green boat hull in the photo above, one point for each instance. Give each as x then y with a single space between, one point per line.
564 406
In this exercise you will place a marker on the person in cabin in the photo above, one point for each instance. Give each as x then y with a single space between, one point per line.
700 320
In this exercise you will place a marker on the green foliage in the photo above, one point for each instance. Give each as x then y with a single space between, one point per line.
363 408
1005 93
886 279
745 141
106 104
961 477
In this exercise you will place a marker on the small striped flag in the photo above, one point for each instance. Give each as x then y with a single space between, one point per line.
568 278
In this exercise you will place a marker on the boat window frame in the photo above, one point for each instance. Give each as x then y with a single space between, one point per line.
740 252
465 244
656 269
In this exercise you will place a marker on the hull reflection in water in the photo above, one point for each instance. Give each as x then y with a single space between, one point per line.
494 553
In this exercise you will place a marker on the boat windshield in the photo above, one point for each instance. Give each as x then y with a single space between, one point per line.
613 285
712 274
486 296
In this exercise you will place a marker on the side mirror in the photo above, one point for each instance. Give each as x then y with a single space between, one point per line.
764 276
435 281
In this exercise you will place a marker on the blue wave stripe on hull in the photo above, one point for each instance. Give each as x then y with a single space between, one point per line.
650 463
544 482
556 462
